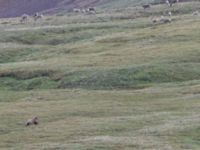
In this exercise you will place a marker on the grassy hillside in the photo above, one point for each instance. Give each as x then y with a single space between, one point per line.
108 81
14 8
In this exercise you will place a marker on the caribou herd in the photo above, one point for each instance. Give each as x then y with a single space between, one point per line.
38 16
25 18
83 10
166 18
161 19
170 3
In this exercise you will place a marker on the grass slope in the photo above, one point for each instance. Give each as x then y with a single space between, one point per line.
108 81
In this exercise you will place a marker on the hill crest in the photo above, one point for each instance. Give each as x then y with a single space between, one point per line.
14 8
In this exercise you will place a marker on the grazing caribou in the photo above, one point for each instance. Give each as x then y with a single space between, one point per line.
24 18
37 16
76 10
171 2
91 10
195 13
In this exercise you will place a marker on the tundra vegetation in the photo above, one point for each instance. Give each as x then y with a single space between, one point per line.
112 80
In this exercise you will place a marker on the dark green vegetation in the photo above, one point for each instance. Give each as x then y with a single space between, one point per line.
109 81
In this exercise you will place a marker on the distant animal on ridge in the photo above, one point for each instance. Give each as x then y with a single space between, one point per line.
171 2
195 13
155 19
24 18
91 10
83 10
165 20
161 19
169 13
37 16
76 10
167 2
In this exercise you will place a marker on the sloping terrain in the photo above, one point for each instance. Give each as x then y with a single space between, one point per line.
14 8
109 81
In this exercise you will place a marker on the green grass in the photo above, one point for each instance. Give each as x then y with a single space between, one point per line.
109 81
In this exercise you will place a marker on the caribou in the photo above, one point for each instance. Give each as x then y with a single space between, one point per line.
24 18
37 16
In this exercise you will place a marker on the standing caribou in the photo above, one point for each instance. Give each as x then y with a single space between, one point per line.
37 16
171 2
24 18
